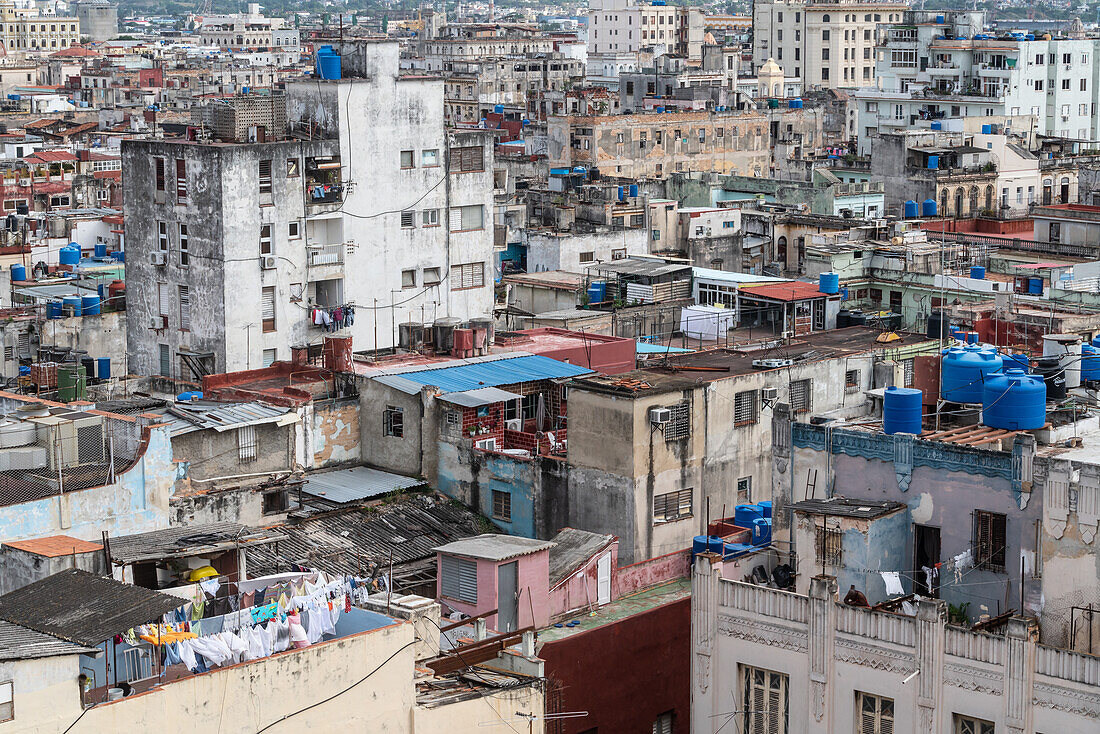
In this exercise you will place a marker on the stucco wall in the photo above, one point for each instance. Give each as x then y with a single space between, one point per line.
336 437
211 453
100 336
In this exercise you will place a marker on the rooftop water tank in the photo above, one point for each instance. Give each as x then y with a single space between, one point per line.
938 324
1017 362
977 272
103 368
1035 286
1014 401
1090 362
89 306
70 306
18 272
937 125
911 210
987 129
633 189
744 515
328 63
597 291
1096 341
761 531
100 249
829 283
1050 368
766 507
901 410
940 20
933 162
443 333
928 208
69 255
964 370
1067 347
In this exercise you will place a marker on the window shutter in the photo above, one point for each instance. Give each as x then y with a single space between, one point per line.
455 215
160 174
267 304
181 180
459 579
185 307
162 298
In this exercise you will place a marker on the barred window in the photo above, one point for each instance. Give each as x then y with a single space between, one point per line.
502 505
672 506
907 372
828 546
851 381
744 408
246 444
679 425
801 396
393 422
764 706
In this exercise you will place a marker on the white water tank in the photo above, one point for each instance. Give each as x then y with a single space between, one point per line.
1067 348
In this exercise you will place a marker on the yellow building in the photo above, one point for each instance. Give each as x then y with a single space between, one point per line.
23 30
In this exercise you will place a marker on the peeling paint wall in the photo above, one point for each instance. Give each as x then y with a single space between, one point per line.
336 432
100 336
212 454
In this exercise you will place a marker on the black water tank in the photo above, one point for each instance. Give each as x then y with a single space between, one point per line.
843 318
1054 375
938 325
858 318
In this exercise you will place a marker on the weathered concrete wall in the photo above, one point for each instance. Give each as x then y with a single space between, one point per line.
100 336
22 568
412 454
336 432
563 251
644 574
202 503
580 590
211 453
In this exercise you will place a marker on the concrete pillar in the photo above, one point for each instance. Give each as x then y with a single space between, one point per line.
705 579
931 614
1020 636
821 633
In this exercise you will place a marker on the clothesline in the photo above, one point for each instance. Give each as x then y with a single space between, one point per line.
333 318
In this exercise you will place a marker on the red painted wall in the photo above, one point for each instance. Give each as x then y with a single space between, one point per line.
625 674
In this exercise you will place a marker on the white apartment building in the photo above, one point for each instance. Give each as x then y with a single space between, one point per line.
618 29
235 247
825 43
930 69
247 31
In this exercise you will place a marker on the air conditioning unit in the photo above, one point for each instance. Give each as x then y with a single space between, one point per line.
787 335
659 416
158 258
770 393
514 424
771 364
486 444
159 322
267 262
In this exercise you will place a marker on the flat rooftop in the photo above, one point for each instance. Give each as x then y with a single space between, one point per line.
628 606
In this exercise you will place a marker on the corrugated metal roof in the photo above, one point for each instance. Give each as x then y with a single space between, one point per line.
81 607
472 375
494 547
357 483
20 643
848 507
479 397
187 540
573 549
196 416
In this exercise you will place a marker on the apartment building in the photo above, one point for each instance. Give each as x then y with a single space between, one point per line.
477 86
240 250
935 66
247 30
24 30
619 29
825 43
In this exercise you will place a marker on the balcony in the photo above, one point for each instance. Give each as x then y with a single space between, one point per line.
326 255
323 184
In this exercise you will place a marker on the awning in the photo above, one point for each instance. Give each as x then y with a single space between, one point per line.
480 396
357 483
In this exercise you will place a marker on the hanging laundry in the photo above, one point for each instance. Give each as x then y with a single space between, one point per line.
892 579
298 636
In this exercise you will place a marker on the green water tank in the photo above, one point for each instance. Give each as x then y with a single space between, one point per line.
773 104
71 382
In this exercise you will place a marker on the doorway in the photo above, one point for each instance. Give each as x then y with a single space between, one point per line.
603 579
507 597
926 554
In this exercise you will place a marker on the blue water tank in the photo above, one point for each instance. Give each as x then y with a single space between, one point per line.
745 515
658 110
1017 362
828 283
699 545
940 20
69 255
911 210
987 129
328 63
103 368
901 410
597 291
119 255
633 190
736 550
977 272
89 306
70 306
53 309
1035 286
972 337
1090 362
18 272
188 396
844 294
622 193
1029 37
766 507
1015 401
100 249
933 162
716 544
928 208
761 531
964 370
937 125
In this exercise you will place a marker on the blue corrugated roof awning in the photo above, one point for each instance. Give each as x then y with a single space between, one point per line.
485 373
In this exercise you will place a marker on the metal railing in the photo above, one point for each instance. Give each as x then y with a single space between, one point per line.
326 255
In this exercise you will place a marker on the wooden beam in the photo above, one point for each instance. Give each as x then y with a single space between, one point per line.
454 625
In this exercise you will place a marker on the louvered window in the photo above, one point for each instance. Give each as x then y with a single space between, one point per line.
464 218
663 724
468 159
672 506
267 308
185 308
876 714
23 344
159 165
802 396
165 361
469 275
990 537
459 579
764 706
163 299
181 181
265 177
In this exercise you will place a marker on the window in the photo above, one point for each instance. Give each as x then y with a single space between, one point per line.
672 506
162 236
679 424
430 276
851 381
293 230
291 167
7 700
181 181
825 35
159 175
268 357
465 218
265 177
408 278
185 252
876 714
406 159
275 502
458 579
469 275
267 308
265 239
185 308
764 706
430 217
876 295
1065 84
393 422
828 546
587 257
429 158
502 505
246 444
801 396
970 725
744 408
408 219
471 158
744 490
990 538
663 723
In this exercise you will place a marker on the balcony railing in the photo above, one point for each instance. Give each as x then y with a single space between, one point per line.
326 255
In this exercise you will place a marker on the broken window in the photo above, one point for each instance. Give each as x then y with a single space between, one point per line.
265 239
851 381
876 714
181 181
828 545
672 506
990 538
764 707
393 422
265 177
185 252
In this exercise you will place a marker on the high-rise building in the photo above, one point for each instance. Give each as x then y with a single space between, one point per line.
825 43
98 19
618 29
